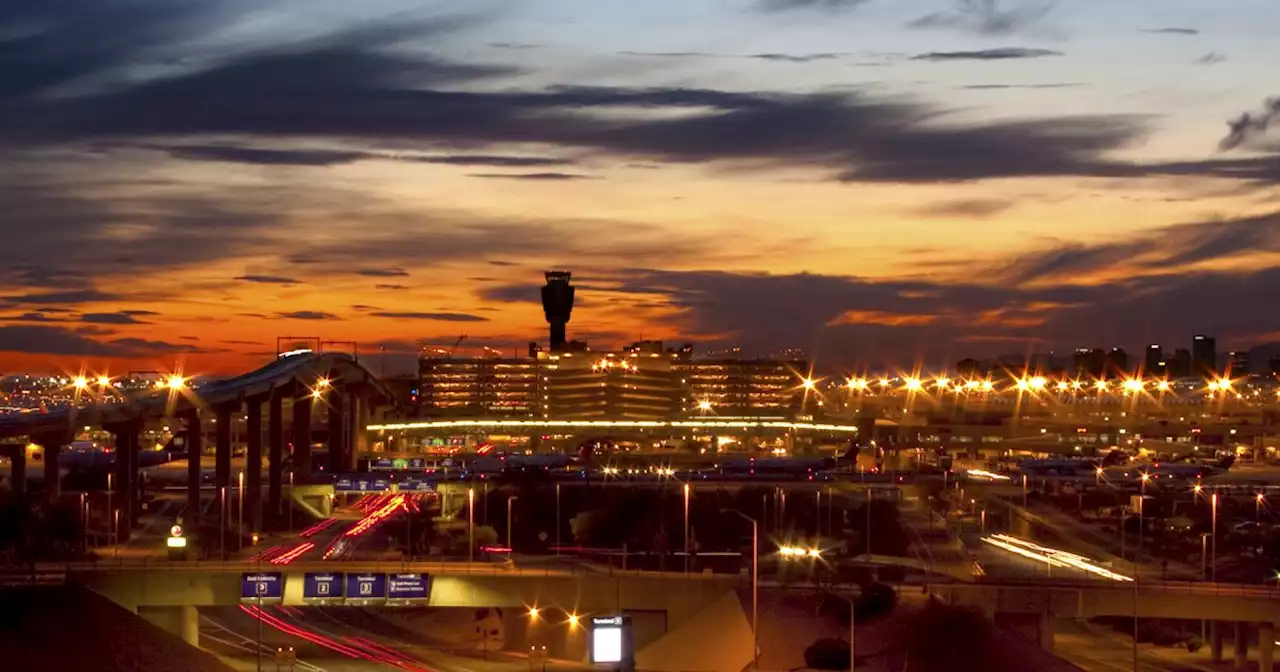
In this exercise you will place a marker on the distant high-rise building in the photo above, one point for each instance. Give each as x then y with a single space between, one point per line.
1153 363
1090 362
1179 365
1238 363
1204 355
1117 362
557 305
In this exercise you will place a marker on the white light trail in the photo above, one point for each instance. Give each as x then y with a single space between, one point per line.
1052 556
980 473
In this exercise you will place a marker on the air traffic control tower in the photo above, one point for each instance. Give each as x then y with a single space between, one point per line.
557 304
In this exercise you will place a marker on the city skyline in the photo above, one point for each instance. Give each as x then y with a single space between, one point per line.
876 183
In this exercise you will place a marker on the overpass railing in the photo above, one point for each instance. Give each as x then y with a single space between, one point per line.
1188 588
434 568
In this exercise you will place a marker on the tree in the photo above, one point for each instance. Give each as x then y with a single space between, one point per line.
827 653
584 525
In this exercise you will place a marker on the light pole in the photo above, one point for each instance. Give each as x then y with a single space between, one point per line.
222 522
686 528
1213 505
1257 510
240 513
557 520
755 587
111 534
471 524
291 502
510 499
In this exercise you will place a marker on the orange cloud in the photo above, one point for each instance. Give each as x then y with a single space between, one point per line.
882 318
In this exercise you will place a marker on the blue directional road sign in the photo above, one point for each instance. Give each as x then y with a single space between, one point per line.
404 589
261 586
322 587
415 485
381 484
366 589
344 484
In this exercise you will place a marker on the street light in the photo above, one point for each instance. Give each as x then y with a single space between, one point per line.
471 524
755 585
686 528
1213 571
510 499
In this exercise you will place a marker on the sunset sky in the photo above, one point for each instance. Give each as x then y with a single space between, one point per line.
875 181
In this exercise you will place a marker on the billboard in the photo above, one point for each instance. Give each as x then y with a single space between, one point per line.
322 588
366 589
410 484
611 640
403 589
261 586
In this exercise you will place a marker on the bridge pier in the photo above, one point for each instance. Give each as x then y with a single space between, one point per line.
337 431
126 434
1266 647
52 445
1215 642
301 435
275 448
17 454
223 421
193 439
181 621
253 462
1045 630
357 420
1240 645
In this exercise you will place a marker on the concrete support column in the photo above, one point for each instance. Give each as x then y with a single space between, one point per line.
1241 645
275 448
52 445
126 477
515 629
17 454
1266 647
222 445
180 621
301 436
337 411
195 450
1046 630
357 420
1215 642
253 462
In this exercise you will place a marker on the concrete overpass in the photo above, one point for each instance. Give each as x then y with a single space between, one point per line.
336 380
659 604
1218 603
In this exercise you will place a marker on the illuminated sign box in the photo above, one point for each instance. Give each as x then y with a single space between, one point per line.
366 589
611 640
322 588
406 589
264 586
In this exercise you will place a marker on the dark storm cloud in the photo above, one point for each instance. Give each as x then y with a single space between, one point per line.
137 313
41 340
550 177
985 17
307 315
796 58
824 5
999 54
31 317
437 317
267 279
1251 124
1170 247
267 157
110 318
304 92
70 296
1172 31
493 160
1050 85
383 272
391 287
974 208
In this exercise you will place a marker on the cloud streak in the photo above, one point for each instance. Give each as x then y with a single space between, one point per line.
998 54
